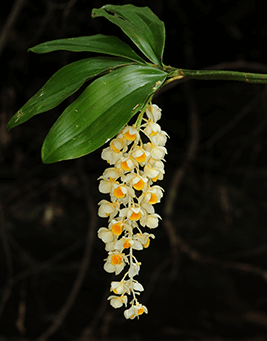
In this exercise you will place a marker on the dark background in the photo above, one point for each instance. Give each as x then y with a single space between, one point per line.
205 274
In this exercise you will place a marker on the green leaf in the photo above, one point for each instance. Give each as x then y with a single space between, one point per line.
141 25
98 43
64 83
104 108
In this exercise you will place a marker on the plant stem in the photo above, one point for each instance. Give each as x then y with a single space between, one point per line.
217 75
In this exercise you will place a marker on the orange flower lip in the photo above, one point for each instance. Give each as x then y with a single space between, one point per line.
130 137
139 185
117 228
116 150
116 259
118 193
141 158
127 244
135 216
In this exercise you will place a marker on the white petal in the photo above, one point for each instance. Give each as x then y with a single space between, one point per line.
119 268
116 302
109 267
130 313
138 286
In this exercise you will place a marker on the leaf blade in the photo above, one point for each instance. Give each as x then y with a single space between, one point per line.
62 84
104 107
98 43
141 25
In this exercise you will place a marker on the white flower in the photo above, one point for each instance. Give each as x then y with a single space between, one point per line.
137 181
118 145
111 174
110 156
152 195
115 262
123 243
151 220
160 138
130 133
137 286
134 285
143 239
135 310
140 155
154 170
116 226
125 163
134 269
133 213
105 235
152 129
107 209
147 208
153 112
110 246
105 186
121 193
109 177
118 302
158 164
119 287
156 152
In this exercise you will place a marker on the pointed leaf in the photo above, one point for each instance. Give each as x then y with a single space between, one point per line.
98 43
62 84
104 107
141 25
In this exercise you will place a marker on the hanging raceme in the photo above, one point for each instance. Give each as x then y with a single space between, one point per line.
122 83
135 167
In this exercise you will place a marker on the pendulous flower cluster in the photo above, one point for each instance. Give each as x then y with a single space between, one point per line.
135 167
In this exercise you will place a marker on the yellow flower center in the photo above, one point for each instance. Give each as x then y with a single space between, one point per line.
118 193
153 199
125 166
140 311
130 137
116 150
116 259
139 185
127 244
117 229
135 216
153 133
141 158
147 243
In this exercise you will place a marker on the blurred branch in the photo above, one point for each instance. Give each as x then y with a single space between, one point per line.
35 269
195 256
236 119
85 261
9 262
4 35
180 173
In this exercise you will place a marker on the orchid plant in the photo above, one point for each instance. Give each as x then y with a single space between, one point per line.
122 85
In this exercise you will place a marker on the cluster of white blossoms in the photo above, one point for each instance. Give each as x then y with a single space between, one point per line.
135 167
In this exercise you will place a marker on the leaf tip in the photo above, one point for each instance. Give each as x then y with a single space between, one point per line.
94 12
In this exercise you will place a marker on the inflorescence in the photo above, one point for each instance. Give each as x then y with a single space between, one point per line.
136 166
